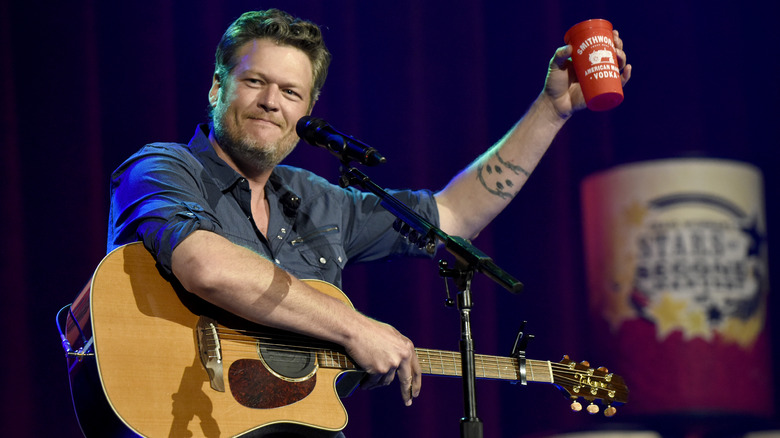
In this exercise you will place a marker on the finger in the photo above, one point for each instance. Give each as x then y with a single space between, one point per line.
561 57
376 380
410 378
379 380
416 377
625 75
407 390
616 39
622 59
406 382
370 381
388 378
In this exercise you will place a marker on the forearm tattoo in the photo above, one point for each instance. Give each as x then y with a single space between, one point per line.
494 179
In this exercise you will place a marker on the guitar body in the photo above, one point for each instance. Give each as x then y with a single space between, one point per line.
148 372
166 363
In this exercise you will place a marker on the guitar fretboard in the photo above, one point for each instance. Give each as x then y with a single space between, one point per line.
448 363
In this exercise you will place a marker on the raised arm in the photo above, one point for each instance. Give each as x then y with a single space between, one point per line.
476 195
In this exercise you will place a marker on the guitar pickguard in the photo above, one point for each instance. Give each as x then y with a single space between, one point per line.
254 386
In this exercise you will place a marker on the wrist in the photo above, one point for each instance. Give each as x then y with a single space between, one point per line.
548 110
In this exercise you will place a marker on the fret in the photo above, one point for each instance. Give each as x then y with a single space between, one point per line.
334 359
482 366
423 359
436 368
496 367
324 359
542 368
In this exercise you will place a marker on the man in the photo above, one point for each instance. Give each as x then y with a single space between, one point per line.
238 230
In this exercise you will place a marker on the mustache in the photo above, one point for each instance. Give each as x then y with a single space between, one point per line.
265 117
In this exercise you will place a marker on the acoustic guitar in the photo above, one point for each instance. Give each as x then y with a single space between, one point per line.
148 358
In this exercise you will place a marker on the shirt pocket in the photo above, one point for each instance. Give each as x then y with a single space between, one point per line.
322 254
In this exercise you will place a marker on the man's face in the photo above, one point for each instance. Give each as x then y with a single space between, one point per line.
256 109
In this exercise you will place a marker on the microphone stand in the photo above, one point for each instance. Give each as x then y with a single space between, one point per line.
468 261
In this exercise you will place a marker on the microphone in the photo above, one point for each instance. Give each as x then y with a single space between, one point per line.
318 132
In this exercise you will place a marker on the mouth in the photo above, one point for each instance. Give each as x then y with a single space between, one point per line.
263 121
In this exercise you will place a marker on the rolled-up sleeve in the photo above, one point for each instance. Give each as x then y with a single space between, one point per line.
156 198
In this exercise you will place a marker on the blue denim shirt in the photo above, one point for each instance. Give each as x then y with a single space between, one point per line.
166 191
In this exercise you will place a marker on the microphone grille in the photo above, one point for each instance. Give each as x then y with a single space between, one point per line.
308 125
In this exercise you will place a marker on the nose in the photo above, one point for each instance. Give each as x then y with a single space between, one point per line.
269 98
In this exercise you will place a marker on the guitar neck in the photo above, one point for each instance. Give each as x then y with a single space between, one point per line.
448 363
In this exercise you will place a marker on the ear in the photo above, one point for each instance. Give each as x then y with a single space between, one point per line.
214 91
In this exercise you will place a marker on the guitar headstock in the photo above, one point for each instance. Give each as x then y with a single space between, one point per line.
597 386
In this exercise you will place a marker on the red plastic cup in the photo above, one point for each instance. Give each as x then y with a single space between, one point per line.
596 63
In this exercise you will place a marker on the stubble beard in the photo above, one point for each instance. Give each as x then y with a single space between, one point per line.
246 151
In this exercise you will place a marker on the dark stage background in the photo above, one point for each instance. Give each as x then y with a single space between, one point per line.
431 85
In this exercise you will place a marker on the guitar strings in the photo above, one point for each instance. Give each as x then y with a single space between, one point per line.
446 360
435 361
491 365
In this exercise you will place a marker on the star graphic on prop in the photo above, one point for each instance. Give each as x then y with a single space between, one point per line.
635 213
743 332
697 325
668 314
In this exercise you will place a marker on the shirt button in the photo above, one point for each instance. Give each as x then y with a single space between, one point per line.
283 231
279 237
339 259
322 260
277 261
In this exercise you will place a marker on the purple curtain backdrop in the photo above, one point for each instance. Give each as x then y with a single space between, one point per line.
429 84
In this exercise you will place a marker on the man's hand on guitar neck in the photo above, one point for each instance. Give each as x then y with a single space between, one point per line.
248 285
383 352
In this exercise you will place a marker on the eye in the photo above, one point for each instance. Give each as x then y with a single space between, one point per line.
290 92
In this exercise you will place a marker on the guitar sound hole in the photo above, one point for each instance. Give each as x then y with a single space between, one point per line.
287 362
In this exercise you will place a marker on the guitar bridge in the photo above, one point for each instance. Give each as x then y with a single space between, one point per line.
211 352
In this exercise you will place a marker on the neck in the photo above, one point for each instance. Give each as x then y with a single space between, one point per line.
254 174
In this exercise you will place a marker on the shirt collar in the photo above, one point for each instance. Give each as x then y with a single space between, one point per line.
226 177
220 172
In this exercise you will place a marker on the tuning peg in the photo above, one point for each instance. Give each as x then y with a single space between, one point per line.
576 406
585 363
593 409
603 369
610 411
